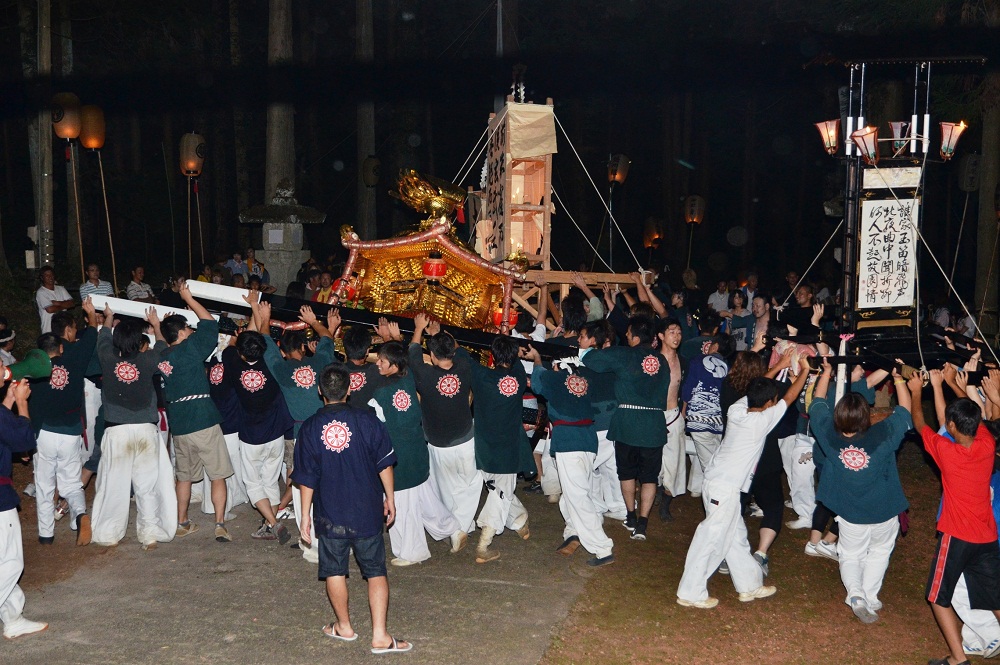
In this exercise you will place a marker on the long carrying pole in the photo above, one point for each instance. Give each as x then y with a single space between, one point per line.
690 242
201 237
189 225
76 207
107 216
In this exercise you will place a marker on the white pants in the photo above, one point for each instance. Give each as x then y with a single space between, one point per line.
576 505
981 629
262 468
605 488
236 491
697 476
501 508
310 552
458 481
705 445
722 535
11 566
801 484
417 509
57 465
91 405
863 551
673 470
134 456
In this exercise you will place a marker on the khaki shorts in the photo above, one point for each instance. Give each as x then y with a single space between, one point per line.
289 454
202 452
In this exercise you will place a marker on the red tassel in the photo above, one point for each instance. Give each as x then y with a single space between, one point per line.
461 216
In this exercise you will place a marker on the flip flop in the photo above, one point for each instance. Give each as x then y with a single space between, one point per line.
394 648
335 635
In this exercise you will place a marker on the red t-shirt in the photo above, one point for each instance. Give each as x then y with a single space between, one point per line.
967 513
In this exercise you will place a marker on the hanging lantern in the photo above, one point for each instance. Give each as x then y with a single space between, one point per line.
370 170
899 139
192 154
349 291
66 115
92 127
866 139
694 209
512 317
950 133
618 169
829 130
434 267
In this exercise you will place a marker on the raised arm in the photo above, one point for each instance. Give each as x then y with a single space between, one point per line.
199 310
420 322
90 311
154 321
823 383
916 386
937 385
795 389
307 316
902 394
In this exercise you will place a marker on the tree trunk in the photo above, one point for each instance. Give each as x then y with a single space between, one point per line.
73 231
365 53
239 124
46 230
986 240
279 162
29 67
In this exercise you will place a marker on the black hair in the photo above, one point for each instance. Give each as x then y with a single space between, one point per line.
642 327
663 324
574 317
852 415
599 331
171 326
137 266
254 278
965 414
357 341
334 381
761 391
293 340
643 308
61 321
504 351
296 290
709 321
49 343
129 336
442 345
727 345
394 353
251 345
315 272
524 325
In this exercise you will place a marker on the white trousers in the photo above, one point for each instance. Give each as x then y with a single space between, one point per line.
57 465
576 505
11 566
91 405
262 468
501 508
673 470
863 551
801 483
981 628
417 509
705 445
605 488
458 481
236 491
134 456
310 552
722 535
697 476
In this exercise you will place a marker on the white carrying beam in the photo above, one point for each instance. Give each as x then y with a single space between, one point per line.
139 309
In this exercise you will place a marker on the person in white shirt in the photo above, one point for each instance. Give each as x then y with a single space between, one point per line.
723 533
138 289
7 347
51 298
95 286
719 300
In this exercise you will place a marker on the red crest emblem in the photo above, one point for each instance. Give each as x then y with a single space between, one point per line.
216 373
448 385
336 436
358 380
401 400
507 386
59 378
126 372
165 368
576 385
854 459
651 365
304 377
252 380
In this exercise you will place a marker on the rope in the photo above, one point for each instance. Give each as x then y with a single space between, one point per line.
475 151
470 160
559 199
614 222
802 278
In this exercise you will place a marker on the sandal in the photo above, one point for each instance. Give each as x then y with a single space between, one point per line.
394 647
335 635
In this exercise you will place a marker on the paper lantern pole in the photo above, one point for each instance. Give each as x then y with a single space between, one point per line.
192 159
92 138
66 124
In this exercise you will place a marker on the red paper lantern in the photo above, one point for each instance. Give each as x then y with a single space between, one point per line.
512 317
434 267
349 290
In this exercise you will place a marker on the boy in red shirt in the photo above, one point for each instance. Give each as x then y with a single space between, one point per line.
968 542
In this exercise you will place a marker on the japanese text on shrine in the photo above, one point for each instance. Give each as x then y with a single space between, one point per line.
886 270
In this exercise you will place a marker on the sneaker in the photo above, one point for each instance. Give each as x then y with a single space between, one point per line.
991 649
970 650
534 488
755 510
29 490
62 509
629 522
862 611
695 494
724 567
828 550
402 563
186 529
598 561
222 534
281 533
264 532
763 560
554 498
759 592
46 540
286 514
569 546
664 510
800 523
639 533
83 531
459 540
706 604
20 627
788 503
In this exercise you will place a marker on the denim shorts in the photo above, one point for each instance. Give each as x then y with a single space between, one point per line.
334 555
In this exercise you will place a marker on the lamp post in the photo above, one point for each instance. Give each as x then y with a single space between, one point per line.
694 214
92 130
66 125
192 156
617 172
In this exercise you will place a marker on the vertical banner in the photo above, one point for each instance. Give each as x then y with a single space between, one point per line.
496 179
887 261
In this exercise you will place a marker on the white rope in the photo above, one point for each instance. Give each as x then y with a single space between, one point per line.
471 160
584 235
802 278
611 216
469 157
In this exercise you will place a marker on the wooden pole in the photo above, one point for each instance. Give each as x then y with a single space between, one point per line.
201 237
189 225
107 216
76 208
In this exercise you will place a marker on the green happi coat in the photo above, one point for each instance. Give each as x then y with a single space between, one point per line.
399 409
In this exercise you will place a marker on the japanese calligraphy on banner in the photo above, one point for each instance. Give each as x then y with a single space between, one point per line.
887 268
496 179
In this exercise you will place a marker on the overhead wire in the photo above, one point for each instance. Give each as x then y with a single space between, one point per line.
568 214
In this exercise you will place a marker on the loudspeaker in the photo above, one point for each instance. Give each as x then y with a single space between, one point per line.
36 365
